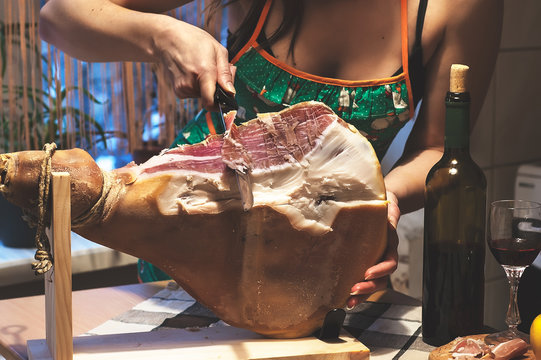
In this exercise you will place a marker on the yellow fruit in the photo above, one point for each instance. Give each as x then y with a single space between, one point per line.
535 336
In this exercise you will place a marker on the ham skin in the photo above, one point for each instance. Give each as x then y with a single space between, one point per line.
319 218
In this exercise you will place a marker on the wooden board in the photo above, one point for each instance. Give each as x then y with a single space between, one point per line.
206 343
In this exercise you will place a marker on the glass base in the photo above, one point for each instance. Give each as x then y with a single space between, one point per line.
506 335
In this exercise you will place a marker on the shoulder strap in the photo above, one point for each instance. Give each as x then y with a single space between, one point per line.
421 12
257 31
405 47
404 32
417 71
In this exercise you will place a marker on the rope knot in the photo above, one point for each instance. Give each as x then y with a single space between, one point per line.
43 253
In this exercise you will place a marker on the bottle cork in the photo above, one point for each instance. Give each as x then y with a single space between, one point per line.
459 78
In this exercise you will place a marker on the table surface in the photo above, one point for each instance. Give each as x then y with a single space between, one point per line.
23 319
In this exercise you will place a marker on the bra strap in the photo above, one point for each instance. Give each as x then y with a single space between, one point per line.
420 22
405 50
257 30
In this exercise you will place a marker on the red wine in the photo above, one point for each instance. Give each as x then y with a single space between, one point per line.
515 252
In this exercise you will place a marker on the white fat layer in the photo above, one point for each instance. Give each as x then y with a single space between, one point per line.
166 157
459 355
343 173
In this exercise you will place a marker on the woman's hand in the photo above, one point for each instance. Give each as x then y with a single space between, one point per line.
377 276
193 61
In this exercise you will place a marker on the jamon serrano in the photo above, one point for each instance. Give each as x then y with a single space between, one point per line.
482 347
319 218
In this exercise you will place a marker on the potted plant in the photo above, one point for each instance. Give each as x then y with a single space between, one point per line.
32 116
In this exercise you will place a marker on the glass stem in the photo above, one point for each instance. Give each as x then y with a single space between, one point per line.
513 316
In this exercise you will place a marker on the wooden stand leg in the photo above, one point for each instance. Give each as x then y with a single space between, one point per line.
58 305
58 284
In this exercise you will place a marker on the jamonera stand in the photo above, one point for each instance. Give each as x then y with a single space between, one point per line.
206 343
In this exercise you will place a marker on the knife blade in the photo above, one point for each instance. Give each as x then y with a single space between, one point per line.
226 102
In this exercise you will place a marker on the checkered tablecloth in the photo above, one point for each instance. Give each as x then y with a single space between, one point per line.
390 331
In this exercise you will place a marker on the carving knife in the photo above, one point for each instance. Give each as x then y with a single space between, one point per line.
226 102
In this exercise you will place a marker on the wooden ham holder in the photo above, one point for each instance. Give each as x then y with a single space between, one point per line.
206 343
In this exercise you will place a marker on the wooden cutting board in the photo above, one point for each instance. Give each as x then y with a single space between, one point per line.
205 343
444 352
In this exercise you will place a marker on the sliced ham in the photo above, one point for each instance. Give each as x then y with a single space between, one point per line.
510 349
473 348
319 218
468 348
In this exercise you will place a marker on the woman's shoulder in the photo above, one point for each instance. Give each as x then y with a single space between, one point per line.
452 13
460 21
457 31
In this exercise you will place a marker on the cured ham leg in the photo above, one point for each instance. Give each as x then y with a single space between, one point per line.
318 222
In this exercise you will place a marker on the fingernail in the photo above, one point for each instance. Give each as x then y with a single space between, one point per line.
230 87
368 276
350 304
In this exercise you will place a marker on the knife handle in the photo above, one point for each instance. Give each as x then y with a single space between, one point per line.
226 101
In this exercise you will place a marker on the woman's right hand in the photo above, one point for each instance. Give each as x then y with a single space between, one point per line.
134 30
193 61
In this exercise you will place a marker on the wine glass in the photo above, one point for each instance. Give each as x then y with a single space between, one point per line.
514 238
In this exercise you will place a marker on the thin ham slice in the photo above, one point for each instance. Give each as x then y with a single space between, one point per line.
510 349
468 348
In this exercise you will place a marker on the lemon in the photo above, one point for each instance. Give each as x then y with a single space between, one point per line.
535 336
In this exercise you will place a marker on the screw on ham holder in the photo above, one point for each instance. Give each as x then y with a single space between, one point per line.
332 324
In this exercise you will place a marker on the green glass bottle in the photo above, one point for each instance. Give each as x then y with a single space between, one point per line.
454 229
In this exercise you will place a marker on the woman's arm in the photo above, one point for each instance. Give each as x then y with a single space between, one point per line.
471 36
104 30
135 30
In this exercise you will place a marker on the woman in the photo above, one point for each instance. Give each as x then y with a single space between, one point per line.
371 61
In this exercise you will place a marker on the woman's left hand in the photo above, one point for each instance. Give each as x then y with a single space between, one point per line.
377 276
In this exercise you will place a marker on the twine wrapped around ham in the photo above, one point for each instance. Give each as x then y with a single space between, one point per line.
319 218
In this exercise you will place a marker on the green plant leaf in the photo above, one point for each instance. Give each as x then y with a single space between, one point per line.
85 91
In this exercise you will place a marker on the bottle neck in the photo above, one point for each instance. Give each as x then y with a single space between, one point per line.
457 122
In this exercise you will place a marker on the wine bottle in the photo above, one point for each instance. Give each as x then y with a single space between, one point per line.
454 228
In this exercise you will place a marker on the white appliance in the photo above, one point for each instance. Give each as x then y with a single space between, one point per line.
528 182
